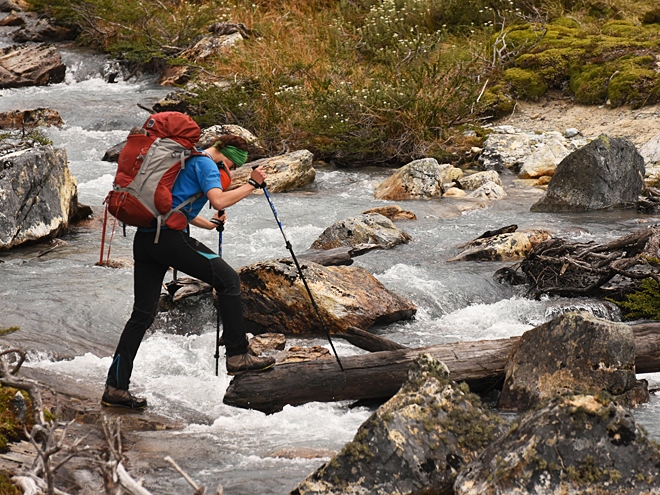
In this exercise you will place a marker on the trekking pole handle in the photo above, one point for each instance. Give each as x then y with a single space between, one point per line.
220 224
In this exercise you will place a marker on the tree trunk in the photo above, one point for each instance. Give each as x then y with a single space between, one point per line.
380 374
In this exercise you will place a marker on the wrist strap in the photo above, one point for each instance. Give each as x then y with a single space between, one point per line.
254 183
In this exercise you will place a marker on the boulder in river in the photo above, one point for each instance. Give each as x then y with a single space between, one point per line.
415 443
369 228
30 65
419 179
275 299
393 212
285 172
20 119
13 19
605 174
490 191
39 195
474 181
502 247
576 444
11 5
574 353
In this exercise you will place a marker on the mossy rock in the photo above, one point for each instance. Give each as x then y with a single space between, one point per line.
621 29
553 65
526 83
498 101
633 87
567 22
590 84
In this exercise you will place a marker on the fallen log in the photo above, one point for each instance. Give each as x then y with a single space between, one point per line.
342 255
379 375
368 341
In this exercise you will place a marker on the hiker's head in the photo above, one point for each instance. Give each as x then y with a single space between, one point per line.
233 148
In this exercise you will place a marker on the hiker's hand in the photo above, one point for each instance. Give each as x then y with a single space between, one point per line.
258 175
220 215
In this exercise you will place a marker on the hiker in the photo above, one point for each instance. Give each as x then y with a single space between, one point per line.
176 249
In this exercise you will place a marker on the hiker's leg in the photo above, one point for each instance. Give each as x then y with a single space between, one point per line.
195 259
147 279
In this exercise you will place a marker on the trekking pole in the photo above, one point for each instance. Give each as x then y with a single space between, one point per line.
295 260
220 227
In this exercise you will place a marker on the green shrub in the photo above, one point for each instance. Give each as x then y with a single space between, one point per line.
644 303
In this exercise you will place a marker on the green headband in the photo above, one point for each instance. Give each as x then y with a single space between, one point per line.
233 153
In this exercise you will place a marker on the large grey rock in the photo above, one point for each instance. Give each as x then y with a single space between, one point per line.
30 65
573 353
416 443
38 195
419 179
285 172
605 174
275 299
368 228
490 191
574 445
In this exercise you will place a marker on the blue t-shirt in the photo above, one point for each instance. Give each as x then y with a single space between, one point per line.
200 174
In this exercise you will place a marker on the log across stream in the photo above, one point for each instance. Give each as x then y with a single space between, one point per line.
379 375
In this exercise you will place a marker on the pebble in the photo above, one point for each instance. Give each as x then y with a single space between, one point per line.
571 132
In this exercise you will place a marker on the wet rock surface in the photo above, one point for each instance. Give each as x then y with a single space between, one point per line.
276 301
502 247
473 182
416 443
575 444
39 195
30 65
419 179
393 212
19 119
285 172
369 228
605 174
573 353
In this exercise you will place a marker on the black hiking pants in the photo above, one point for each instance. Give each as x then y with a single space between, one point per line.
178 250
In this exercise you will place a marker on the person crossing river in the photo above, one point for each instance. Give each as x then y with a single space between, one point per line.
177 249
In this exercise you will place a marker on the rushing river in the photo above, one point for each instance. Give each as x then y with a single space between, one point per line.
71 313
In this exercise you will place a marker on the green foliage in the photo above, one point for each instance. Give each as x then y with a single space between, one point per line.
10 428
644 303
5 331
6 485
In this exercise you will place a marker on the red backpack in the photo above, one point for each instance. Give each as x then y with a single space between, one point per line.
148 165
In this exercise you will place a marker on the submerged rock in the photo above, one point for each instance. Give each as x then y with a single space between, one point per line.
285 172
419 179
30 65
415 443
573 353
576 444
39 195
605 174
369 228
275 299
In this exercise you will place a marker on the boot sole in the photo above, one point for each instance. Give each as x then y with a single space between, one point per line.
122 406
234 373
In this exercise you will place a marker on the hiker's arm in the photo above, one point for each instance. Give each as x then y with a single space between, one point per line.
222 199
201 222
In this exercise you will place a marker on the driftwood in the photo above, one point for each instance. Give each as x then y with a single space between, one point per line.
342 255
568 269
368 341
379 375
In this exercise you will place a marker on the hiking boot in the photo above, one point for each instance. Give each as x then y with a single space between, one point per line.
248 362
114 397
